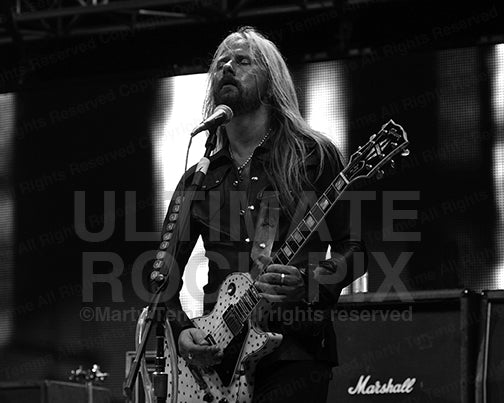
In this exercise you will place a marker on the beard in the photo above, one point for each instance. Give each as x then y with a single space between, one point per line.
240 100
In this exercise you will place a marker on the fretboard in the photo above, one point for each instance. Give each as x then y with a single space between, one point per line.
311 221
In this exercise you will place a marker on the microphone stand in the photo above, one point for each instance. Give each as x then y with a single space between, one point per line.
157 310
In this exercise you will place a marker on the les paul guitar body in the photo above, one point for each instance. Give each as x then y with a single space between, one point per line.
240 313
234 381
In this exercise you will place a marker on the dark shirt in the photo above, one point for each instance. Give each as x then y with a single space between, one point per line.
225 214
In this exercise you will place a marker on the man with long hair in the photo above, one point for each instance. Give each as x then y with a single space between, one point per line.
268 163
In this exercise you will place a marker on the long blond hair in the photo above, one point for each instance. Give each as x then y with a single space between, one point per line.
290 131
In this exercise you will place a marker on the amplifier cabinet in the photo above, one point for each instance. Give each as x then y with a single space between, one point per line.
138 395
409 347
51 392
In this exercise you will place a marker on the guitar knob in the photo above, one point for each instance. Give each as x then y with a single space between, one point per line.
208 397
379 174
405 152
392 164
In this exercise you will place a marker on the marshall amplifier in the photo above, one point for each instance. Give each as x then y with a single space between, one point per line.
406 347
490 373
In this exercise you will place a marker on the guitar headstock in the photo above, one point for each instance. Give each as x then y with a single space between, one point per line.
370 158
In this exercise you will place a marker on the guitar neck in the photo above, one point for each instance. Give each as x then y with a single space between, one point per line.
307 226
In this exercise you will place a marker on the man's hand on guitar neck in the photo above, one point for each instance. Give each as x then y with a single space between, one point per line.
280 283
196 350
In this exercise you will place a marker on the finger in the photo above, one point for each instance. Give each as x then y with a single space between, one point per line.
293 296
201 351
274 298
274 289
279 268
276 279
265 260
209 350
199 338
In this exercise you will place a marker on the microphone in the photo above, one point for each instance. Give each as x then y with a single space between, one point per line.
222 115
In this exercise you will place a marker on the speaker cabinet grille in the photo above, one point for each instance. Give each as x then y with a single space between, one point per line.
412 347
50 392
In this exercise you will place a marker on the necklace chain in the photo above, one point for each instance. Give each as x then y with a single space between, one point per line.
242 166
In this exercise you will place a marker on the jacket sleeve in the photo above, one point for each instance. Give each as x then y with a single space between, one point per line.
348 259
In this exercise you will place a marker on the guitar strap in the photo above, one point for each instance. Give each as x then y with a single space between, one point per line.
266 228
267 223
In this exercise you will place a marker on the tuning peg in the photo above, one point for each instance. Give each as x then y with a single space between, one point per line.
405 152
379 174
392 164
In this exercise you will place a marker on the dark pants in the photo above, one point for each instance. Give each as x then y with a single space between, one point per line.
292 382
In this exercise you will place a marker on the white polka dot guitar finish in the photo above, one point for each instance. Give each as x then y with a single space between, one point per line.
238 303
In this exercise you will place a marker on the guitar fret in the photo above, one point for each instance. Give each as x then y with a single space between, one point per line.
302 227
324 203
292 244
332 194
287 251
280 257
340 182
310 222
298 237
316 212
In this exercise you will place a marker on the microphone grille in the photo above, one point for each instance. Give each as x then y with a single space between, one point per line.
227 110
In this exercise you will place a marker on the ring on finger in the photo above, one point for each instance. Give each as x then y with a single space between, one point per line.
282 277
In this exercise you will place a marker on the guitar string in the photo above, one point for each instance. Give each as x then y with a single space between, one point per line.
222 323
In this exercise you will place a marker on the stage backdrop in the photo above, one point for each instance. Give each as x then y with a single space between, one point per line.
86 170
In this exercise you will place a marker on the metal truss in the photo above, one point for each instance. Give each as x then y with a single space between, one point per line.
24 20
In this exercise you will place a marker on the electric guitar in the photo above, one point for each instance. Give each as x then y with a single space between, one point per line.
239 306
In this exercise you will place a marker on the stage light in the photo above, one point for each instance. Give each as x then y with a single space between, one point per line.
498 158
7 214
181 100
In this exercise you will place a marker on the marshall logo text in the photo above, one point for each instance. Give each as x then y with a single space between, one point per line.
378 388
